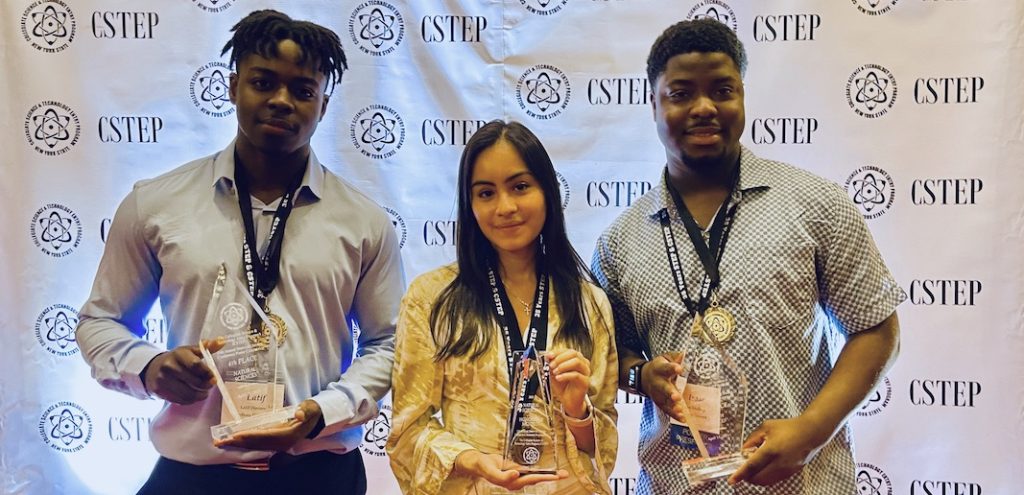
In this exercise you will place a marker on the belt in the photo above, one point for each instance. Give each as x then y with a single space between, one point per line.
279 460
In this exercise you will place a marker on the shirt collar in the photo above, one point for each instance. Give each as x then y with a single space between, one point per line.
753 175
224 172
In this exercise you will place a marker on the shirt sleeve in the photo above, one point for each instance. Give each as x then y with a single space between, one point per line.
604 268
111 321
352 400
855 285
593 471
421 451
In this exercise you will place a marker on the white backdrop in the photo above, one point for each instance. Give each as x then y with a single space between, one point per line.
914 105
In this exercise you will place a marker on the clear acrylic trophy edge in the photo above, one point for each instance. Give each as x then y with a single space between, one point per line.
524 470
257 422
707 469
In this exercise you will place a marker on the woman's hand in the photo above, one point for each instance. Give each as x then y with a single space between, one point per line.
570 380
494 469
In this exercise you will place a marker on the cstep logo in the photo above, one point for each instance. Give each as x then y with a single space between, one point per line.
65 427
56 230
713 9
376 432
878 400
48 25
376 28
874 7
213 6
55 330
377 131
543 91
871 480
543 7
872 190
209 89
399 224
871 91
52 128
563 189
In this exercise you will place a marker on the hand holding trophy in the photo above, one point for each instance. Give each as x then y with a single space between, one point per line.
714 407
245 368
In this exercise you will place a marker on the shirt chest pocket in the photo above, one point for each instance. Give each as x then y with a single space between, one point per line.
779 285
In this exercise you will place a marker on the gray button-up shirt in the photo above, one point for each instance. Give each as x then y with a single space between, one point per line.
800 270
340 261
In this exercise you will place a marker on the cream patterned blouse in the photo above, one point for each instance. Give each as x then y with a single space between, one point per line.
443 409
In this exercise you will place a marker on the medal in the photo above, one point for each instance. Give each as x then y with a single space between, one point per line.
719 325
259 337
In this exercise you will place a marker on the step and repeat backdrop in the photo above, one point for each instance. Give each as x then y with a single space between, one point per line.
916 107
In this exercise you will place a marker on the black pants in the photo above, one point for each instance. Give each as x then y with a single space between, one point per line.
316 472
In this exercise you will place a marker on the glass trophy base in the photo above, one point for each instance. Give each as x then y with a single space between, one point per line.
703 470
524 472
262 421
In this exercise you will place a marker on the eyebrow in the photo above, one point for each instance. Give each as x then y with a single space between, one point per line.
509 179
719 80
266 71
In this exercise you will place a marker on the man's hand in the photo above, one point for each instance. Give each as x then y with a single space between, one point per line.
494 469
658 379
784 446
278 438
179 375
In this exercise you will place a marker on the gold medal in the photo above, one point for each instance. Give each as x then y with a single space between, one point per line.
719 325
278 322
259 337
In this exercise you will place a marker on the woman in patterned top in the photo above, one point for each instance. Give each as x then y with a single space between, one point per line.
455 335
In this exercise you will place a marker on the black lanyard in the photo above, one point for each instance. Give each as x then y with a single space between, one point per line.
263 274
710 253
536 338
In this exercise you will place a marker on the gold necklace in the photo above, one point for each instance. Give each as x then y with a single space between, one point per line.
526 305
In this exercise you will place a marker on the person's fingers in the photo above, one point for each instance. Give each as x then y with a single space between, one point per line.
573 363
573 376
758 461
192 362
214 345
174 390
491 468
533 479
756 438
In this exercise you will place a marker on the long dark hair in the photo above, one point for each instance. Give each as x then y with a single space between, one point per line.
462 317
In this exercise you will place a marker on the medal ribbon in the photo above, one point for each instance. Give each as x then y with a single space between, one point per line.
263 274
536 338
710 253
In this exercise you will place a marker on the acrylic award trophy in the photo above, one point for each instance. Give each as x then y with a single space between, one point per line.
714 407
245 368
529 439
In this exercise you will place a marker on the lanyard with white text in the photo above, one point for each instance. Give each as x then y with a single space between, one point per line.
710 253
536 334
263 274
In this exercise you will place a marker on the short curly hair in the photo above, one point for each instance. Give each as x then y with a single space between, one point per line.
699 35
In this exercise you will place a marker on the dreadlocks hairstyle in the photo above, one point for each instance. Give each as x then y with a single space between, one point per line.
261 31
462 317
701 35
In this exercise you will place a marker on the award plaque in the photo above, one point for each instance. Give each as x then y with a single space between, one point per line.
245 368
714 405
530 435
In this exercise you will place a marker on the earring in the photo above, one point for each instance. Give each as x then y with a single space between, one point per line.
543 249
